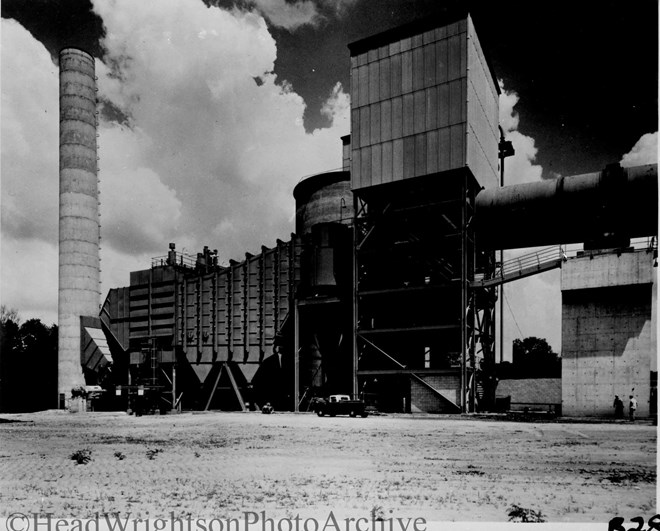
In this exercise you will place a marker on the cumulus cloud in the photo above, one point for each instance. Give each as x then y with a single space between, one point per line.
645 151
30 135
29 138
291 15
192 149
338 108
288 15
138 211
519 168
228 148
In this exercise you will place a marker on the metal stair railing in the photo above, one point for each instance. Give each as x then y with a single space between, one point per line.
524 266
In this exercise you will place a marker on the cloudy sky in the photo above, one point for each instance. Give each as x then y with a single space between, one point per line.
213 110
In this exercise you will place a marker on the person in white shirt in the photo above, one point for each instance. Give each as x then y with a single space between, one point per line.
633 408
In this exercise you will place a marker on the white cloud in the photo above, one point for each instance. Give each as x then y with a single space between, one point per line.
645 151
288 15
231 149
338 108
519 168
30 136
138 211
29 196
509 118
206 156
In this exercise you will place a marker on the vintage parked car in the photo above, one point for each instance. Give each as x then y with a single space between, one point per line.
339 405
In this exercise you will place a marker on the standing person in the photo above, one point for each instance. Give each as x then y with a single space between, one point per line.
633 408
618 407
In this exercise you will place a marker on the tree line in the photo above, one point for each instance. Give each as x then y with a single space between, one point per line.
28 364
533 357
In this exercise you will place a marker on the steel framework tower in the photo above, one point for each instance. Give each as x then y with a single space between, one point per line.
424 142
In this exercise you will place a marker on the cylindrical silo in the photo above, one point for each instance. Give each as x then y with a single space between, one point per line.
323 198
79 228
324 215
324 210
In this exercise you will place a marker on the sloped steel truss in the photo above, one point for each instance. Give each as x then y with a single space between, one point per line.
417 321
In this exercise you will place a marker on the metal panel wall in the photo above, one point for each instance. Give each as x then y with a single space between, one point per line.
225 315
205 320
416 109
401 93
253 304
237 310
115 315
234 314
223 328
483 114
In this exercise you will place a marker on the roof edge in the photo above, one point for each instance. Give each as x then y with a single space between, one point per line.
407 30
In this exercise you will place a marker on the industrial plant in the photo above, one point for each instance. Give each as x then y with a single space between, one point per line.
388 289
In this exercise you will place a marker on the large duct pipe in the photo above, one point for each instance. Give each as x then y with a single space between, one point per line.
616 203
79 228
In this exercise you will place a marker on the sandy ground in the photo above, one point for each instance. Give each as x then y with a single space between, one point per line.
221 464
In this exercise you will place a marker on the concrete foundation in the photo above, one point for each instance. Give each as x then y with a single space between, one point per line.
422 399
608 332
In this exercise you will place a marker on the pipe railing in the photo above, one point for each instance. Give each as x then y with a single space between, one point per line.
534 259
543 259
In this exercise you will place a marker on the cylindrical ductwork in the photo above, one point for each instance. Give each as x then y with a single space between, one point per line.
79 228
615 204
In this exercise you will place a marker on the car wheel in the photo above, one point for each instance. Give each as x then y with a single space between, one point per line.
364 414
352 414
319 413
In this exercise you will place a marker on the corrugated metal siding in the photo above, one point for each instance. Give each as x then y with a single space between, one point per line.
251 302
227 315
410 108
115 314
483 115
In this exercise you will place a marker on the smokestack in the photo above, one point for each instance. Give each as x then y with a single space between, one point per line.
79 229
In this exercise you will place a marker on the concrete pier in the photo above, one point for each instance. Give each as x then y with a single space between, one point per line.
609 343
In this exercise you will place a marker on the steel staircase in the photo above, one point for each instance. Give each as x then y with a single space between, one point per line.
524 266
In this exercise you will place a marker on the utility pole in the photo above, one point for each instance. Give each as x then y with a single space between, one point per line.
505 150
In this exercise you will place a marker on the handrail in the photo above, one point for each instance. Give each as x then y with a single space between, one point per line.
538 258
548 258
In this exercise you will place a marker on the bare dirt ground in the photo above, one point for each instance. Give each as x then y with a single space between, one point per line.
221 464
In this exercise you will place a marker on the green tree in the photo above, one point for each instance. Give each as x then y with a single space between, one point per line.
9 314
28 363
533 357
10 351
